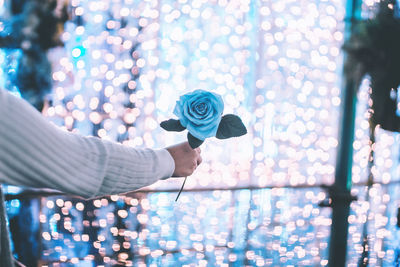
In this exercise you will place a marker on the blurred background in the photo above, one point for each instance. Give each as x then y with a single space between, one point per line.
298 73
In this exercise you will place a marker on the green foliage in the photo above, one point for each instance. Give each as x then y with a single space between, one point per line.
193 141
172 125
374 50
230 126
32 26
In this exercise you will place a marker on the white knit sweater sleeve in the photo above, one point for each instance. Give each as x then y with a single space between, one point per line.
35 153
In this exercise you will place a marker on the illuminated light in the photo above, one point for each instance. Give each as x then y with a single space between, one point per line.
293 53
143 251
76 52
108 107
68 204
324 262
80 206
132 85
204 46
57 216
279 36
78 101
119 65
221 65
110 75
111 24
98 18
143 22
140 63
64 61
59 76
153 61
96 54
116 40
336 101
124 12
74 260
338 36
94 102
78 115
77 238
102 133
133 32
85 238
109 58
122 213
75 3
95 117
134 202
154 14
79 11
282 62
80 64
108 91
80 30
60 202
50 204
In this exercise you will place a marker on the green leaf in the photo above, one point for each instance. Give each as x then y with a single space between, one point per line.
230 126
193 141
172 125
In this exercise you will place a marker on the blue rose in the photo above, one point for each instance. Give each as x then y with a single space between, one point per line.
200 113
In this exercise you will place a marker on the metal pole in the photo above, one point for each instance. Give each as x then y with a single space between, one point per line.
342 184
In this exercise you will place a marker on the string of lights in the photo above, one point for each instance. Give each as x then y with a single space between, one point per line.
252 201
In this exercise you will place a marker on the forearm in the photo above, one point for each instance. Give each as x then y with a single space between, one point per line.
36 153
150 166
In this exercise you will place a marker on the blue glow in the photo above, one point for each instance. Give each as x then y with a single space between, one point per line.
78 52
15 203
8 66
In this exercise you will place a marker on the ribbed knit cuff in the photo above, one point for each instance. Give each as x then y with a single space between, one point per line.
167 163
129 169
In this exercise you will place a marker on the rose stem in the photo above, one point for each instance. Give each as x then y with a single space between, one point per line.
180 191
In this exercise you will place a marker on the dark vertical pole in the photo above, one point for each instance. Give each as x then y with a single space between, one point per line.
341 206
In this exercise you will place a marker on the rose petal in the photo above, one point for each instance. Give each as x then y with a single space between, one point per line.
200 112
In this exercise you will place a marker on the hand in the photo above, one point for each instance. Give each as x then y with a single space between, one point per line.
186 159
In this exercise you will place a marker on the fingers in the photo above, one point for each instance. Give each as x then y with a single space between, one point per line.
186 159
197 159
194 167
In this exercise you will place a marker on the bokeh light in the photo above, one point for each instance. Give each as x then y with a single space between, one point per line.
254 200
